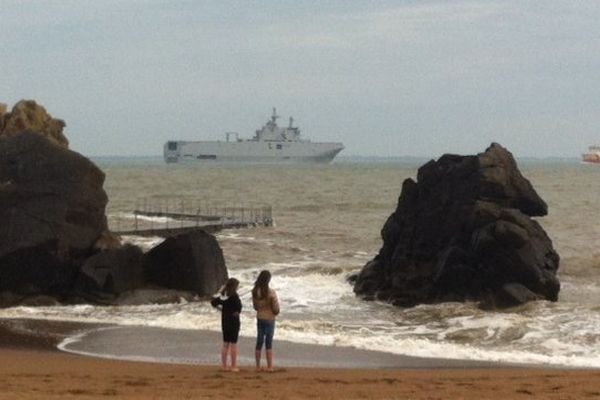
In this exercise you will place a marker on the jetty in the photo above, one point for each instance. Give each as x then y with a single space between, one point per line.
169 216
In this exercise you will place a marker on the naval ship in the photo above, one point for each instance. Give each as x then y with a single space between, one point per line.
270 144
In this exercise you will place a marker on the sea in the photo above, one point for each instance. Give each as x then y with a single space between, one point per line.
327 223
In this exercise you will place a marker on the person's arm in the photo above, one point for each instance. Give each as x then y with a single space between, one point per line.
274 303
217 299
237 307
254 302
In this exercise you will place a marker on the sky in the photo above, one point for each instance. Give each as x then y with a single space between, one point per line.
386 78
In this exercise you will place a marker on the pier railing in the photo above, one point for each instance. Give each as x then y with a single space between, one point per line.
165 216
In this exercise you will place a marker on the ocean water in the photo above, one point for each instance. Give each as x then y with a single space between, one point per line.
327 226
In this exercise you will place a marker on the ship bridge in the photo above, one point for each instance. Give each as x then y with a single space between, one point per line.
272 132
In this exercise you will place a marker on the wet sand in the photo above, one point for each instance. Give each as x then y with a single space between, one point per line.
31 368
200 347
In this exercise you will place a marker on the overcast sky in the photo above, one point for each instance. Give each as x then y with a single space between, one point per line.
385 78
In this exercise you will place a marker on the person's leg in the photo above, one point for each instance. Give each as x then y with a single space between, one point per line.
270 360
269 332
260 336
233 350
257 358
224 352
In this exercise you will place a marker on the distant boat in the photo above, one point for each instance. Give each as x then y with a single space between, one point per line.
593 155
270 144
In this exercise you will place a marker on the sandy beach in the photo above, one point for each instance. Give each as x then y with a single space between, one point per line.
32 368
27 374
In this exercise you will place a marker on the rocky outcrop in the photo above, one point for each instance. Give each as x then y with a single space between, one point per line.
54 238
27 115
462 232
113 271
51 211
190 261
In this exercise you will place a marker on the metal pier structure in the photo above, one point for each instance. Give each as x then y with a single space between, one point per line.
169 216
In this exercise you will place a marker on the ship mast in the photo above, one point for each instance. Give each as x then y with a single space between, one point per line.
274 116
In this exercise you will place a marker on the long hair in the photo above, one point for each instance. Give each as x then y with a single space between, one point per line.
261 286
230 287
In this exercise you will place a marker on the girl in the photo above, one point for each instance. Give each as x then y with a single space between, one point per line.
266 304
231 306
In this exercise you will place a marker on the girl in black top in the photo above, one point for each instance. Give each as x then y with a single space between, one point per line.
229 302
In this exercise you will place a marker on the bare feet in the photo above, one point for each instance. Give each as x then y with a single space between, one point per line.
235 369
225 369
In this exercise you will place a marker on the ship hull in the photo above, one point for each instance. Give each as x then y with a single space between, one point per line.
591 158
250 152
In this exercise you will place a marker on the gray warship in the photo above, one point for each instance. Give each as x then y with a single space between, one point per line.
270 144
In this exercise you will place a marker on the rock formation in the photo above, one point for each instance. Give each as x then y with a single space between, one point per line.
463 232
52 211
113 271
190 261
27 115
54 239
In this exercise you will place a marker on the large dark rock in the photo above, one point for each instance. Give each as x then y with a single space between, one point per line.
51 213
461 232
54 239
190 261
113 271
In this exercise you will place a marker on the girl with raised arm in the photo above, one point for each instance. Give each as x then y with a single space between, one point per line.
229 302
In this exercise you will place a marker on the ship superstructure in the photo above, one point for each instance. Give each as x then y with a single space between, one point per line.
271 143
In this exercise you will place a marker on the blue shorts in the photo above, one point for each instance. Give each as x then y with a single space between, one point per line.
265 329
